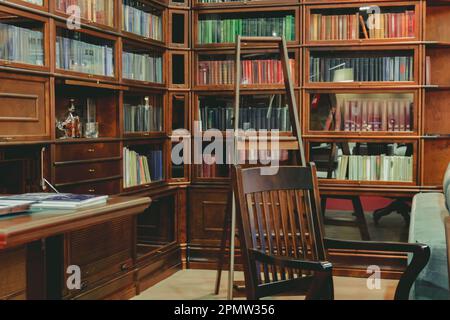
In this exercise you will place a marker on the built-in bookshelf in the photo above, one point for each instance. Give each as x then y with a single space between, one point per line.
221 27
143 18
347 112
361 161
373 66
370 86
143 164
143 113
85 53
256 69
350 23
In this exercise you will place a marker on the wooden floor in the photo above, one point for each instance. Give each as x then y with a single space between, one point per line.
199 285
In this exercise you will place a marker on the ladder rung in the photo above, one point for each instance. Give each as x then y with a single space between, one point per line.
261 39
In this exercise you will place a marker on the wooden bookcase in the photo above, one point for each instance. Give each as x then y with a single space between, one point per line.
189 235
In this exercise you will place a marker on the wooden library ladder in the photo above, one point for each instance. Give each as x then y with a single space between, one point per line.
229 229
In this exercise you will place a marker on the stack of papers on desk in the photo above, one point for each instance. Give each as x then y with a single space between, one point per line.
57 200
14 206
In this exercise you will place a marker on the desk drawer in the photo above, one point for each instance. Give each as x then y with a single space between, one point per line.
86 171
86 151
102 252
109 187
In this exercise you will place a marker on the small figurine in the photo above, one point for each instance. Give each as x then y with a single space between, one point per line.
71 124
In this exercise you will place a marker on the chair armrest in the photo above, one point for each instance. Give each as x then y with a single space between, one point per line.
421 255
288 262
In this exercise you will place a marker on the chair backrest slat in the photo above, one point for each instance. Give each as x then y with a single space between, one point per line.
278 215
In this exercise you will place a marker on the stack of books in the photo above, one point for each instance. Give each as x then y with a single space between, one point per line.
28 201
395 68
392 25
142 67
80 56
142 169
224 30
375 168
136 20
375 115
262 71
142 118
256 118
98 11
21 45
334 27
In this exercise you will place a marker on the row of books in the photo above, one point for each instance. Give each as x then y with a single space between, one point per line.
136 20
334 27
222 72
141 169
375 115
21 45
143 118
99 11
374 26
375 168
80 56
256 118
142 67
225 30
391 25
394 68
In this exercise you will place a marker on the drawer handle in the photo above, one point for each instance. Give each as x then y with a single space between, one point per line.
92 170
84 285
91 190
91 150
124 267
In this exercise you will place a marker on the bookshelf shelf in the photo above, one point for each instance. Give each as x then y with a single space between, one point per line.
38 4
23 39
142 64
99 13
245 22
364 23
99 60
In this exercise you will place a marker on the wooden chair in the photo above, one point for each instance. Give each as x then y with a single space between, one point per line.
282 241
447 235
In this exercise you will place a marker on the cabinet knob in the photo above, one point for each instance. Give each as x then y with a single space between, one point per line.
124 267
91 150
91 190
84 285
92 170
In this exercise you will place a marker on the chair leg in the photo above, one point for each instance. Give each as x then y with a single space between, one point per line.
223 244
360 218
322 287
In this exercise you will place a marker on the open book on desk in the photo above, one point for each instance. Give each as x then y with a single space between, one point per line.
58 200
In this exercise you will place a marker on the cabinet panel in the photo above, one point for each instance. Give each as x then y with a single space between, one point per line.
13 274
435 162
86 151
24 108
206 214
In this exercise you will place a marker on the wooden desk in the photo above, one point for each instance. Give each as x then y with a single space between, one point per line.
37 248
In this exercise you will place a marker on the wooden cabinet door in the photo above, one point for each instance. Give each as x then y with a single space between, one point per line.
102 252
24 107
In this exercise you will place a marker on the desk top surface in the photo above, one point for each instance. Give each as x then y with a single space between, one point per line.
38 224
